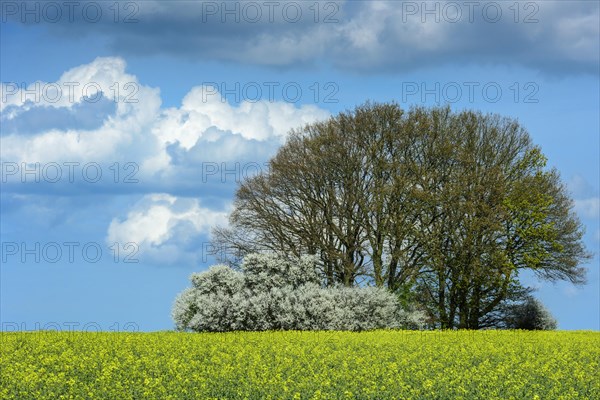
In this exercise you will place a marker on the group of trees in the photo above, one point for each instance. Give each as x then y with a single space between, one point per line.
443 209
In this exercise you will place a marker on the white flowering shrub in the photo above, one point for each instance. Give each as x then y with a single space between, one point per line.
411 319
263 272
218 279
277 294
184 308
529 315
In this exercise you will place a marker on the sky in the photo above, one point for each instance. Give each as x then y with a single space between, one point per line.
126 127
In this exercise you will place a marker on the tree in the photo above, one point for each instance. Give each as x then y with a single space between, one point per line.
329 192
447 207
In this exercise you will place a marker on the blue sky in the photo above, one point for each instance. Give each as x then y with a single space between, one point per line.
143 116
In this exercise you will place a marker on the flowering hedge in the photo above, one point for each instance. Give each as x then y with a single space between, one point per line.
271 293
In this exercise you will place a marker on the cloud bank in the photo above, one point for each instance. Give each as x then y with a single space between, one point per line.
181 163
555 37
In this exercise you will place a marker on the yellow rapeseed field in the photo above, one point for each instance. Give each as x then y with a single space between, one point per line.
301 365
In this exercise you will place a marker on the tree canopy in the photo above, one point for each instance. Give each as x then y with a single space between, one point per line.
445 208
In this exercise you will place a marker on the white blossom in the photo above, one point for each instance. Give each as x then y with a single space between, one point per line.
272 293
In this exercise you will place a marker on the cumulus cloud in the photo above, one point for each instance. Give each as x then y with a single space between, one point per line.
160 223
155 218
121 133
253 120
365 36
103 77
194 155
130 126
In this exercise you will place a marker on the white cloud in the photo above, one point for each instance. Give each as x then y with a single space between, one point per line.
159 219
121 136
202 109
140 131
166 230
588 208
105 76
203 128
